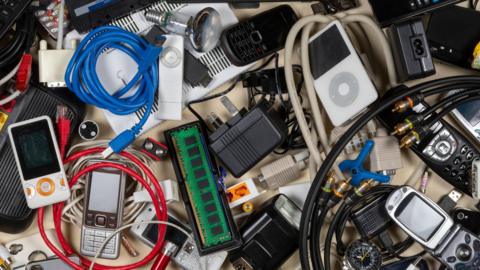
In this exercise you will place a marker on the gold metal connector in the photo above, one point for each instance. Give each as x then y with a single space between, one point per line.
330 182
342 188
403 105
364 186
410 139
402 128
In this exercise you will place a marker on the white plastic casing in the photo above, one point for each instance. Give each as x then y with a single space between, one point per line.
345 89
251 190
170 100
395 200
46 189
52 64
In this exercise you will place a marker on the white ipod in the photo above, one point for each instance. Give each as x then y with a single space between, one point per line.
170 86
39 164
341 81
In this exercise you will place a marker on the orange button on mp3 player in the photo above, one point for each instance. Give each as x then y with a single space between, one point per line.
45 186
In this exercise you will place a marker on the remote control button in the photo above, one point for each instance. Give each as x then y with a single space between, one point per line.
463 252
470 155
463 166
419 3
454 173
45 187
412 5
443 148
447 169
476 245
464 150
467 238
451 259
460 266
457 161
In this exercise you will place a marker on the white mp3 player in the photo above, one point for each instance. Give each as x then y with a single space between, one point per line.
170 86
40 166
341 81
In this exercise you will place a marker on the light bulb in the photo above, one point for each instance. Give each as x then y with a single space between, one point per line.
203 30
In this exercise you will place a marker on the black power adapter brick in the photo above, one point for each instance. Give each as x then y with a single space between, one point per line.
371 219
270 236
410 50
248 137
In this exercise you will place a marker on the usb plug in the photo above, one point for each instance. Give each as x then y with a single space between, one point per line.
449 201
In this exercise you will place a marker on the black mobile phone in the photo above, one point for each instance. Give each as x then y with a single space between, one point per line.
445 150
259 36
468 219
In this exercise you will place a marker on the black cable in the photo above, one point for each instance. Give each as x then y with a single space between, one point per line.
21 42
226 91
449 99
373 110
435 118
329 237
315 240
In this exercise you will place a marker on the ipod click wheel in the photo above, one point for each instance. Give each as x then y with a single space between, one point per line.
341 81
170 84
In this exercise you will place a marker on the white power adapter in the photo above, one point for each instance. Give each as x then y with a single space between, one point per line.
52 64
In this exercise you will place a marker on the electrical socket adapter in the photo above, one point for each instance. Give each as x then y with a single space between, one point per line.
411 50
247 137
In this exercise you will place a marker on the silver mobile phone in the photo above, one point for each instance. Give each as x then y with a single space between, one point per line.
103 211
429 225
419 216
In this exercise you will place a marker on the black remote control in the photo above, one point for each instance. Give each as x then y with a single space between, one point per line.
259 36
10 11
445 150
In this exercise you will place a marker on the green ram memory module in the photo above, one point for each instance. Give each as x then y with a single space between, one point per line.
195 166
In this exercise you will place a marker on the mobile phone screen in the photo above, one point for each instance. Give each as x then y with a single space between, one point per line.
419 217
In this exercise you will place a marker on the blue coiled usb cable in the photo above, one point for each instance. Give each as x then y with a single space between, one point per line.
82 79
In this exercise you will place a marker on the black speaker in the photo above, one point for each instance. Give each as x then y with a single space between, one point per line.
453 33
15 216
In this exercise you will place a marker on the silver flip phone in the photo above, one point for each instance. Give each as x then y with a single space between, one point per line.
103 211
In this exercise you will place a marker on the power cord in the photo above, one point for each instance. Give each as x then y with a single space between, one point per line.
82 79
73 210
156 194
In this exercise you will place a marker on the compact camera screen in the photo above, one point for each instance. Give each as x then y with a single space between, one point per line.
100 201
415 214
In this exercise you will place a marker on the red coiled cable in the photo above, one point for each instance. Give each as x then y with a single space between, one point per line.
158 200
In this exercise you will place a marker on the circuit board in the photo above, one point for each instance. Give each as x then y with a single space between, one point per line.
196 169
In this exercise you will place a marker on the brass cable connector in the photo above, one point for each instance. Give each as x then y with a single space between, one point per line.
408 124
408 103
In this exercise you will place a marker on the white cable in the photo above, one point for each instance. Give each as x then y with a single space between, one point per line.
61 14
10 75
73 210
306 24
381 39
11 97
289 77
131 225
